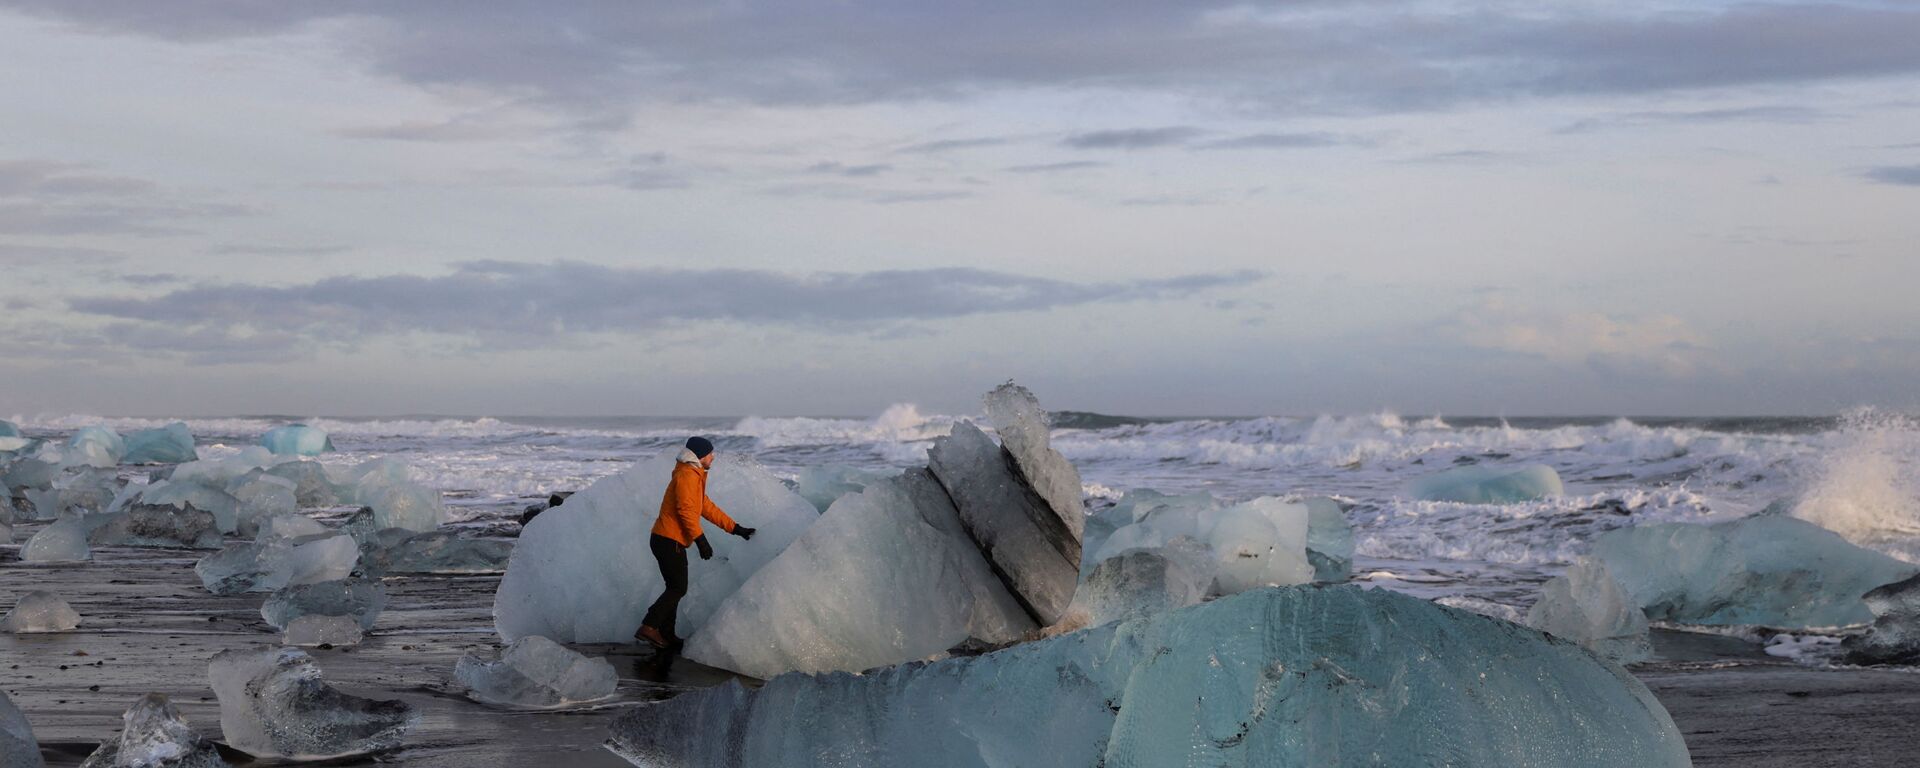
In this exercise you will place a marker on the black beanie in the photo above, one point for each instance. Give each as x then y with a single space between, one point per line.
700 446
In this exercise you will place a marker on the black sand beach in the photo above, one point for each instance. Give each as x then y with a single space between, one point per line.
148 626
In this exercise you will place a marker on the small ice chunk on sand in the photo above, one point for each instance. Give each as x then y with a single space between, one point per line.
409 505
360 600
156 736
287 525
274 704
18 747
171 444
397 550
1478 484
63 541
536 672
1139 582
297 440
1586 605
313 485
148 525
316 630
279 563
40 611
183 492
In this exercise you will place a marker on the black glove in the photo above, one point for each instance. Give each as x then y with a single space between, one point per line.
706 550
744 532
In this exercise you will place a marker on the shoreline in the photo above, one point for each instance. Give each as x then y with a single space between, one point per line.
148 626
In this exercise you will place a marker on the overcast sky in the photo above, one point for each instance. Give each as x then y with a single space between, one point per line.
512 208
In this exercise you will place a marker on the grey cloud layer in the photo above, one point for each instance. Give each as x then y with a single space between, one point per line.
531 301
1353 54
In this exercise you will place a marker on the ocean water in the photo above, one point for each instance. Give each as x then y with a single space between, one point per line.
1857 473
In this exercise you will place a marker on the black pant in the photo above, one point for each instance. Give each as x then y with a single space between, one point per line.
673 569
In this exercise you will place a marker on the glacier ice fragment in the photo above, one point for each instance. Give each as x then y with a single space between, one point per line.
278 563
274 704
316 630
587 576
1304 676
1029 545
63 541
359 600
147 525
1139 582
171 444
313 485
1586 605
40 611
1329 540
1894 637
156 735
1775 571
297 440
1479 484
536 672
18 747
886 575
822 485
95 446
1025 433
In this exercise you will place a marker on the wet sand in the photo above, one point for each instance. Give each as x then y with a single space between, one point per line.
147 626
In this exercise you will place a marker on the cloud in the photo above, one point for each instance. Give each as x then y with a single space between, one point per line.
1903 175
949 145
1072 165
1131 138
1281 141
1660 344
263 249
842 169
599 60
519 302
1761 114
15 255
862 194
45 198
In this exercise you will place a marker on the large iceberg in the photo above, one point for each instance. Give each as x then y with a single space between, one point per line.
886 575
95 446
1030 545
40 611
1479 484
297 440
171 444
18 747
587 576
274 704
1894 637
156 736
1290 676
278 563
63 541
1767 570
1586 605
536 672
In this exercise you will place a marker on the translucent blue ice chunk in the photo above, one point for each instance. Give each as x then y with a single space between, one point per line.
1305 676
1775 571
171 444
297 440
1480 484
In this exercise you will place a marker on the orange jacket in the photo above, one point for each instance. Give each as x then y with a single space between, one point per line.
685 502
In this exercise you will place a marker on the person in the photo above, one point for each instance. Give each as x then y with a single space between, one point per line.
681 508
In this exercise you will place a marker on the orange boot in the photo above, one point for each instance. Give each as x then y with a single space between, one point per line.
652 636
